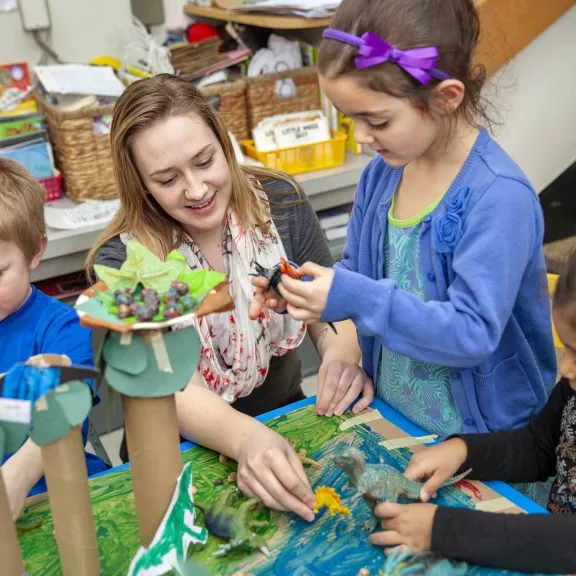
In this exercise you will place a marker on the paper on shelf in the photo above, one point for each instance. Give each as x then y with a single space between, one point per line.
89 213
79 79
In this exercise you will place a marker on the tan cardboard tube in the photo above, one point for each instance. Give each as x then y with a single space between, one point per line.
10 555
67 481
155 459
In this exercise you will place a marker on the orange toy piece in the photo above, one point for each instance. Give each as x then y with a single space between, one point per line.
329 498
286 268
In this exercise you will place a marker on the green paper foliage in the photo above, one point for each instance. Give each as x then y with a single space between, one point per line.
60 410
143 267
132 369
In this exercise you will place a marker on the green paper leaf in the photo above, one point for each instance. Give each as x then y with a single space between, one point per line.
177 256
129 358
202 281
115 279
183 348
95 309
58 411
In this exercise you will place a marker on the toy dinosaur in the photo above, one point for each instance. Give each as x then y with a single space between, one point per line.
400 562
233 524
379 482
302 455
329 498
274 275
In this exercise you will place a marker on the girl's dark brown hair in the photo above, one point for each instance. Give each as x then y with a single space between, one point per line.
565 292
450 25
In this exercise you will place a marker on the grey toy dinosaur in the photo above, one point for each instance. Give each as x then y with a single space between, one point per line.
379 482
233 524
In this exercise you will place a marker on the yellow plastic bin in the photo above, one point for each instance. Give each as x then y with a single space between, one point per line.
552 281
304 158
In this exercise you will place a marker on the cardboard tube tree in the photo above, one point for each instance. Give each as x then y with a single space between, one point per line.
147 362
61 401
14 425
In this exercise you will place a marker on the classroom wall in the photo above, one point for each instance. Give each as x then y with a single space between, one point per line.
81 30
535 95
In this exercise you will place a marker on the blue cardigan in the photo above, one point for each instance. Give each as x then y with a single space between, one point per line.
488 313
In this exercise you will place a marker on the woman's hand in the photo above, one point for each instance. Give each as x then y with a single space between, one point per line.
340 382
437 463
269 468
407 525
264 297
307 300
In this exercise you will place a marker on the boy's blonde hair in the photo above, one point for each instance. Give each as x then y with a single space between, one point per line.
21 208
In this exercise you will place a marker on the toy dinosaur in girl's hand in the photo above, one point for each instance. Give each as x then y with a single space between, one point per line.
274 276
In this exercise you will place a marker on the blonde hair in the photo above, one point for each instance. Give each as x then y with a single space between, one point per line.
143 104
21 208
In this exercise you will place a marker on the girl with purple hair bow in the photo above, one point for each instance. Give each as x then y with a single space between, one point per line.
443 268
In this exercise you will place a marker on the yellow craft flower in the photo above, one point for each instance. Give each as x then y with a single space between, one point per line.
329 498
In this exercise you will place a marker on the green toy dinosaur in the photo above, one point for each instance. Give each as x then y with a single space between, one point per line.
233 524
379 482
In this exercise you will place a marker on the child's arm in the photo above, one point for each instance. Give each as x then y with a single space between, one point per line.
21 472
268 467
501 238
525 543
524 455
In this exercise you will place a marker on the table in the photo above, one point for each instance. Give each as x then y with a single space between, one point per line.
298 548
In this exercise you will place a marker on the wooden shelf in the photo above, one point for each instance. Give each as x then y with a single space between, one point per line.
262 20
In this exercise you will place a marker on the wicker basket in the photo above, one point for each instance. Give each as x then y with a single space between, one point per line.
84 157
263 101
230 101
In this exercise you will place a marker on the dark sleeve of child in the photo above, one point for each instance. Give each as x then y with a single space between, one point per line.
544 543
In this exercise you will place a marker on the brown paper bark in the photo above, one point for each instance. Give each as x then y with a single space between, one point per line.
10 555
155 459
67 481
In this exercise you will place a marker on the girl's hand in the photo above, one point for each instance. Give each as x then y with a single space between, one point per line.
264 297
405 525
340 382
437 463
307 300
269 469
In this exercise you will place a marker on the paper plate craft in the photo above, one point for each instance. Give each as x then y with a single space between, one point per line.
15 417
150 352
60 400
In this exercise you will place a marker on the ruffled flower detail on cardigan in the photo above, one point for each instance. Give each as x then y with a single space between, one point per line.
449 225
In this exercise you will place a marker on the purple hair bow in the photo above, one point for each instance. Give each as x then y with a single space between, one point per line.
373 50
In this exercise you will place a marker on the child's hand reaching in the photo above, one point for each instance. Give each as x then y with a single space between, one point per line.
407 525
307 300
269 468
437 463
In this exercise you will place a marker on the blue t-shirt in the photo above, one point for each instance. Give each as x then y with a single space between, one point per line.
46 326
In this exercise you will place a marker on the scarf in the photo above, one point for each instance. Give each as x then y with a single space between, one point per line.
235 351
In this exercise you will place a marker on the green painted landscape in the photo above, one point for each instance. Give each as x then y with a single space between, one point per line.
297 547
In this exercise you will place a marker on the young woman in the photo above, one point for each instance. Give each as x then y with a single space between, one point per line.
181 188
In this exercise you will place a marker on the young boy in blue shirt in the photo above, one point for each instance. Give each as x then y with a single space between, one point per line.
31 323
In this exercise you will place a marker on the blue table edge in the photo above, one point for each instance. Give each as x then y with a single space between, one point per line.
395 418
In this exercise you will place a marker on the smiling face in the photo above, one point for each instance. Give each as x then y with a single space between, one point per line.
182 165
393 127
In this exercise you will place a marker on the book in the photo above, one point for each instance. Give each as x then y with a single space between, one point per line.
15 90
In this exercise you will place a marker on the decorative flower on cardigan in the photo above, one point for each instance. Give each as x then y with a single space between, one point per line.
449 225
